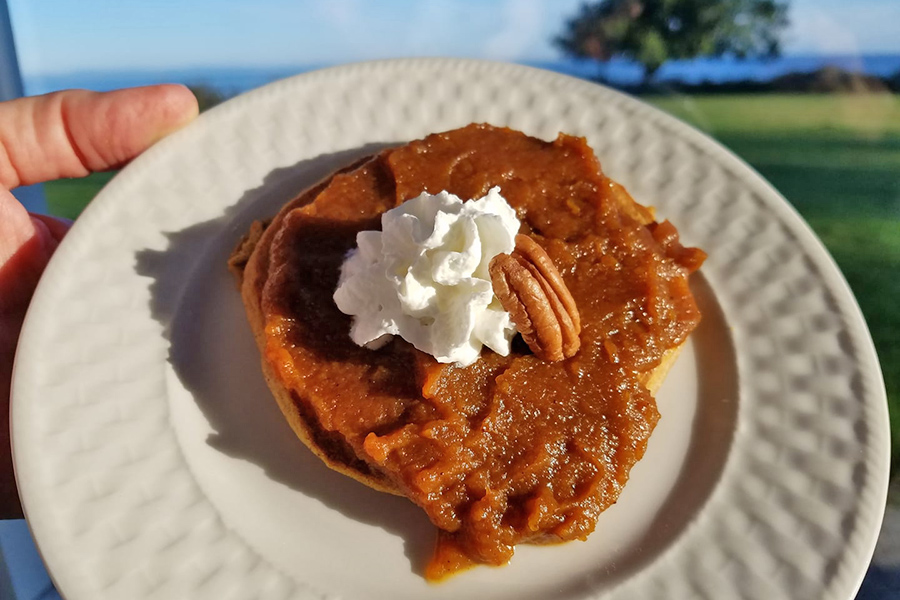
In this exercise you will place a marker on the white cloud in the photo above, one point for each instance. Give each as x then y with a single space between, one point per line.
433 27
843 27
519 29
342 14
820 33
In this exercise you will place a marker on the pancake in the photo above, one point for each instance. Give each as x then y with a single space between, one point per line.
511 449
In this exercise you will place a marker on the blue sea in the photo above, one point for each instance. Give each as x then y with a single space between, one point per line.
232 81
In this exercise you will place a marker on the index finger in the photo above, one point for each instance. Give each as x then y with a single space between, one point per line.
75 132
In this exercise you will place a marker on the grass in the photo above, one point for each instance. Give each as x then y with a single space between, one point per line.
834 157
68 197
863 115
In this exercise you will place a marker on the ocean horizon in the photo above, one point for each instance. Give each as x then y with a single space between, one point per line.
234 80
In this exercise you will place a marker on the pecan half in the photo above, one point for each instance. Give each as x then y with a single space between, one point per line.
540 305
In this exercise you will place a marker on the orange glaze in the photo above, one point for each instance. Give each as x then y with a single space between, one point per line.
510 449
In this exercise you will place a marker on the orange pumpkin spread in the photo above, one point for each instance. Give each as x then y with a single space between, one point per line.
510 449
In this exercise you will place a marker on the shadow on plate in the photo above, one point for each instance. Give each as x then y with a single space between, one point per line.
196 300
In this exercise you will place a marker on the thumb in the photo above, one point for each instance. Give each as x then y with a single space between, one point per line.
26 245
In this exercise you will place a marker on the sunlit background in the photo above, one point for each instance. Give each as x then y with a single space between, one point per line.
813 105
58 38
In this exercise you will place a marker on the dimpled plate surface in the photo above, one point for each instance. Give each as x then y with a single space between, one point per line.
153 463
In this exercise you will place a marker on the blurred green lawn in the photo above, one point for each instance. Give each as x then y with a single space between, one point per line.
835 157
68 197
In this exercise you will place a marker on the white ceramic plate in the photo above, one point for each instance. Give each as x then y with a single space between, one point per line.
153 463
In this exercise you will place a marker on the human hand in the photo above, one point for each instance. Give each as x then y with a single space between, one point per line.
64 134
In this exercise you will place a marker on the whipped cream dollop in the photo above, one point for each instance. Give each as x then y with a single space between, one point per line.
425 277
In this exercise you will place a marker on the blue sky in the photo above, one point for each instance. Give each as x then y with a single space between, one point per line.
58 36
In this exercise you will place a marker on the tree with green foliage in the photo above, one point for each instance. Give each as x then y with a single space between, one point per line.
651 32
